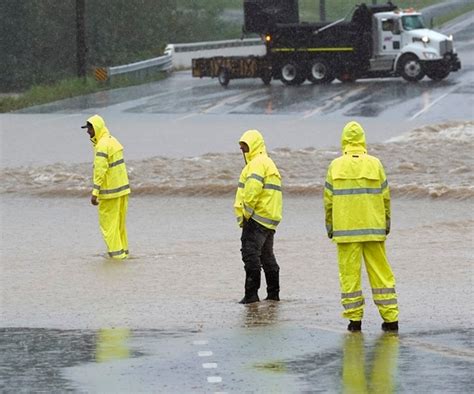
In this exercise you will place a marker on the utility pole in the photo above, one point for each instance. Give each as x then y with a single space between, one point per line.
81 48
322 10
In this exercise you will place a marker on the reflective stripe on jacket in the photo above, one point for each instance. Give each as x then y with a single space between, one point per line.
356 192
110 173
259 194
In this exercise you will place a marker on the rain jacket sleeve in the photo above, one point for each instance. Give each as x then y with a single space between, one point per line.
253 187
386 197
101 166
328 188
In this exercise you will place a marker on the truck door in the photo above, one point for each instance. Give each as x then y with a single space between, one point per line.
389 36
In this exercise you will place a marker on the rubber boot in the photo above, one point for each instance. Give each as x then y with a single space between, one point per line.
354 325
252 284
393 326
273 285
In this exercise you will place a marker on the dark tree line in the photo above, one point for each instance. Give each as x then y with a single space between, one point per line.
38 37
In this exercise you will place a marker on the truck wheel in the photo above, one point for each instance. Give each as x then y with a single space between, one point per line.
410 68
320 72
223 77
291 74
437 75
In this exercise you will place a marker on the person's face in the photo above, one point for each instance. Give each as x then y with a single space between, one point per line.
90 130
244 147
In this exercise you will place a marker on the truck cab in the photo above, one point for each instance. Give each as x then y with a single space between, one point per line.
404 45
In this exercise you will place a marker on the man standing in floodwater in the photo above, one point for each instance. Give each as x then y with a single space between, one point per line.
357 207
258 208
111 187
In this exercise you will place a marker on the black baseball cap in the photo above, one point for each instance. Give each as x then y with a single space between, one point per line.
88 124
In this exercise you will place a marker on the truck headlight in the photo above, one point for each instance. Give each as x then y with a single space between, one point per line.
430 55
425 39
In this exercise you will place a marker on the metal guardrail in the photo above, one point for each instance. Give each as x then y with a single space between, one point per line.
165 63
200 46
140 69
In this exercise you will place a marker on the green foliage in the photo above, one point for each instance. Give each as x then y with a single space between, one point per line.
39 36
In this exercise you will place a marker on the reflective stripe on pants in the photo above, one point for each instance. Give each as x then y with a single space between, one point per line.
380 276
112 221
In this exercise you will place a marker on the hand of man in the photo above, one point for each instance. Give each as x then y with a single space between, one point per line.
330 234
94 200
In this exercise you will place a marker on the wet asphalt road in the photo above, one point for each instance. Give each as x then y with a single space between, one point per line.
266 356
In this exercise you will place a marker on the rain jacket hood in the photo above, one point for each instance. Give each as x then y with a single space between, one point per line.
353 138
99 128
255 142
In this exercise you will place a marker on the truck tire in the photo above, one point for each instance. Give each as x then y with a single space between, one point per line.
291 74
438 74
223 77
320 72
410 68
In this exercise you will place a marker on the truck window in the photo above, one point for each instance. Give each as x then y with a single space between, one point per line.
412 22
387 24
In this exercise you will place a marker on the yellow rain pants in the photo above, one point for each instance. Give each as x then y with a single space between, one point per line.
112 344
384 365
112 218
380 276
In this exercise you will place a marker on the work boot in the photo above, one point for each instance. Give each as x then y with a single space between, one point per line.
252 284
393 326
354 325
273 285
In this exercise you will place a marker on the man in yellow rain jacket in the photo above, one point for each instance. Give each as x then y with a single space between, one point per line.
357 206
258 208
111 188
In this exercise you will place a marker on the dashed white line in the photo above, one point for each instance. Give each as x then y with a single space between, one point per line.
214 379
209 365
205 353
201 342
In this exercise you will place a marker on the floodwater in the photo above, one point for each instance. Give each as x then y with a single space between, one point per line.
166 320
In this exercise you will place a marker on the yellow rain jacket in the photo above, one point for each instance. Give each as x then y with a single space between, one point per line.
259 194
110 174
356 193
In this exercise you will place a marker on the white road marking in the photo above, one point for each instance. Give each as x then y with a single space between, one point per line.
201 342
214 379
209 365
333 100
229 100
205 353
427 107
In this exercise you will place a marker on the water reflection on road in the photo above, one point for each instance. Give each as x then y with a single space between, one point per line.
263 355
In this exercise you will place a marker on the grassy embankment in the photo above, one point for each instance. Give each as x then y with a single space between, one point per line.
441 20
67 88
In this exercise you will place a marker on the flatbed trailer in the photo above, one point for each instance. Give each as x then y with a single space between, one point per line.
226 68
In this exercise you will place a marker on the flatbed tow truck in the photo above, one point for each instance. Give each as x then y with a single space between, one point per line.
373 41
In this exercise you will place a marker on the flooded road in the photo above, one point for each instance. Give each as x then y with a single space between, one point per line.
267 359
167 320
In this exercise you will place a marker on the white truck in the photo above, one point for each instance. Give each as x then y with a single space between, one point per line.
374 41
